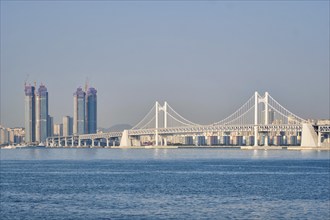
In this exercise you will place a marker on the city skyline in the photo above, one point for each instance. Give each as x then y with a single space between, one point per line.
39 124
205 56
262 116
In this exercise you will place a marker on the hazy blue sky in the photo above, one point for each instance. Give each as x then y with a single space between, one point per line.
205 58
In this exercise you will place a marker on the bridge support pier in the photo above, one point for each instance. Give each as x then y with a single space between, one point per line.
309 138
256 136
319 137
125 141
266 140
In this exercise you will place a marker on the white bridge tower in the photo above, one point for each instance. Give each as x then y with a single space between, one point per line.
159 108
258 99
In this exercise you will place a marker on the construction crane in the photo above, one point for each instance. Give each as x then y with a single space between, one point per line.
26 79
86 84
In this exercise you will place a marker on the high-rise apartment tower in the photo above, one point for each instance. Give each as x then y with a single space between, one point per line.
79 111
29 103
41 114
91 111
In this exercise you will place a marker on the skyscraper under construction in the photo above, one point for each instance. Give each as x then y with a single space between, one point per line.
41 114
29 114
85 111
91 111
36 114
79 111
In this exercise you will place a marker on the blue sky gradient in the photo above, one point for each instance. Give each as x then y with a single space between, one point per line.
205 58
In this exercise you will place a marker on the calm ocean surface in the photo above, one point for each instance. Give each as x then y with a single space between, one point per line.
164 184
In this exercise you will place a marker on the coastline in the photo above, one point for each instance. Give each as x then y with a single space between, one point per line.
291 148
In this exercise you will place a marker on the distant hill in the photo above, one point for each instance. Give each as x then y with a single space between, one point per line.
117 127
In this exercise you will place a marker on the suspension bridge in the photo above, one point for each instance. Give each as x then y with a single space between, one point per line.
261 120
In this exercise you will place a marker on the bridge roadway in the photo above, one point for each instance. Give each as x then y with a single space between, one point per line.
203 129
216 128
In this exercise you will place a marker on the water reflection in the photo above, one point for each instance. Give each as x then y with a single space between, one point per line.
34 153
154 154
255 154
265 154
262 154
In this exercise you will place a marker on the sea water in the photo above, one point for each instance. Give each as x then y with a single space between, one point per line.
164 184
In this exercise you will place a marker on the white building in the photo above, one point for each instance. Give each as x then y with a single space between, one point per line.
4 136
58 129
67 125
